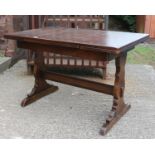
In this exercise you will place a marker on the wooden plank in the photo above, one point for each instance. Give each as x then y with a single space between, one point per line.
105 40
68 22
82 83
48 56
150 25
76 22
78 53
79 19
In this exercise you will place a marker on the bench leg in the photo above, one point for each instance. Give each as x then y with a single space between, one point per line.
41 87
104 70
30 69
119 108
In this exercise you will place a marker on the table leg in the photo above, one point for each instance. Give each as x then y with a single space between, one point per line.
119 108
41 87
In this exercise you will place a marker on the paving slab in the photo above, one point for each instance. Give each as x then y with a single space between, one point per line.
73 112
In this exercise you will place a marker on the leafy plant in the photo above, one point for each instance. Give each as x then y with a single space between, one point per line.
128 21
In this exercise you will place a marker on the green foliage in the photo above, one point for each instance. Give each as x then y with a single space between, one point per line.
142 54
129 21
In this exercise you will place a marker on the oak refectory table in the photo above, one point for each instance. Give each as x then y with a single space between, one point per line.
84 44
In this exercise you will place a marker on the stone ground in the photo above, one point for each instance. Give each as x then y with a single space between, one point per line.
73 112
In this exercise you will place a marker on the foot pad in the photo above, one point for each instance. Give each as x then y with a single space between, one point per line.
113 119
32 98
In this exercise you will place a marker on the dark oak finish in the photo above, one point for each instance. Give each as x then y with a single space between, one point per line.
104 41
82 83
95 45
41 87
97 22
119 107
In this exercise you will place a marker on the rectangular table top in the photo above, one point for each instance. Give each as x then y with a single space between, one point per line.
110 41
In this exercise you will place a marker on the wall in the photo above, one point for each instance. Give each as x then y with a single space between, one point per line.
10 23
6 25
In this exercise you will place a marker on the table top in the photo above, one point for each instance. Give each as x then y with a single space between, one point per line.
111 41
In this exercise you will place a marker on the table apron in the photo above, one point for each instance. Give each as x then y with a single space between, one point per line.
69 51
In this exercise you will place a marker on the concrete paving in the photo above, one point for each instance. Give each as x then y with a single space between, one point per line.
73 112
